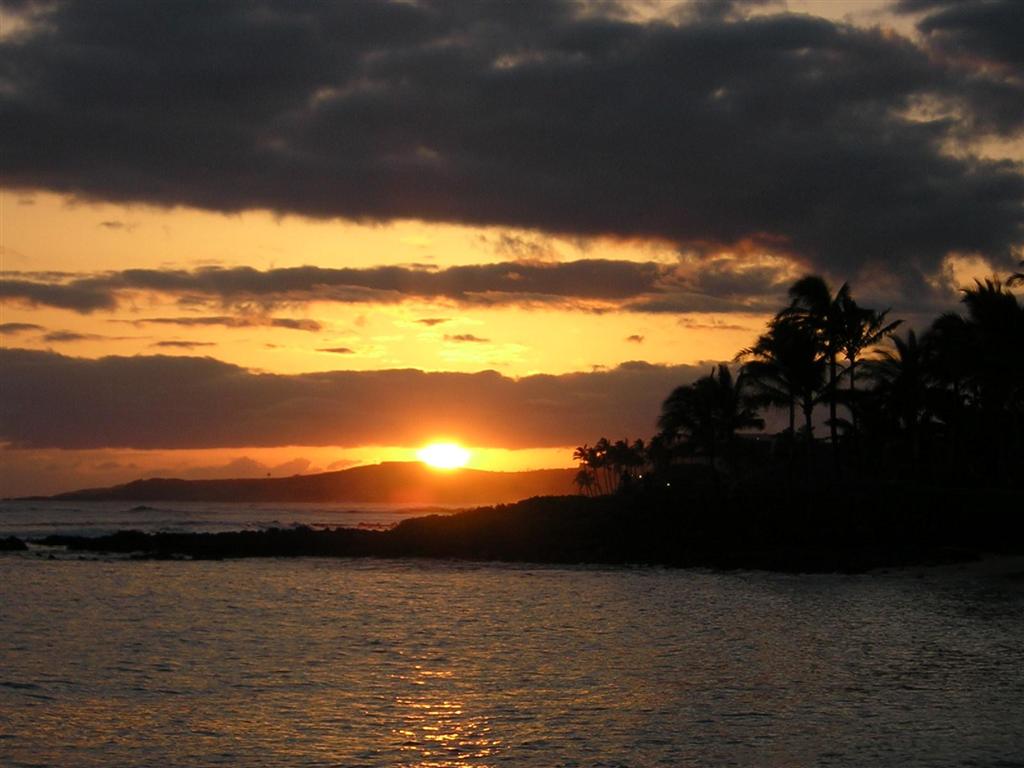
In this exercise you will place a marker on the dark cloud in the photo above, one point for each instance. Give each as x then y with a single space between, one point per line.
684 302
337 350
295 324
507 282
713 325
720 284
61 337
787 132
240 321
174 344
520 248
79 296
992 29
69 336
975 38
735 279
53 401
115 225
720 10
465 337
10 329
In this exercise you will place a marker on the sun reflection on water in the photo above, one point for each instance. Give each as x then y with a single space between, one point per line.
382 664
437 731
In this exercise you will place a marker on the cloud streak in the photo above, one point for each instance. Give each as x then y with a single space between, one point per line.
233 321
605 284
182 344
12 329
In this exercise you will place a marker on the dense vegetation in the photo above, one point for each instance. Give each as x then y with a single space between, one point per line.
944 407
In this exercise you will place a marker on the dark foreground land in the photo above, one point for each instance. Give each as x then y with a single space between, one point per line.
854 530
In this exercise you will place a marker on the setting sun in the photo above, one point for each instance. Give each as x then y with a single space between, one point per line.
443 455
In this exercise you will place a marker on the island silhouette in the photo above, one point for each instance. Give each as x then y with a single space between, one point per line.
388 482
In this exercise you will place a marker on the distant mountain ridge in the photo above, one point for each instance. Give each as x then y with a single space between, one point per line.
389 482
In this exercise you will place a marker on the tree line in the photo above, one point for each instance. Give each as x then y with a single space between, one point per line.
945 405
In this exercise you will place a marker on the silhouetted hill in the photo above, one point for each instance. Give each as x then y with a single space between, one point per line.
390 482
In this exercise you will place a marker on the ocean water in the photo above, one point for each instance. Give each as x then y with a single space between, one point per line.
316 662
36 519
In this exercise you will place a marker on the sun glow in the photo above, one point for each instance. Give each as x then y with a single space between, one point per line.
443 455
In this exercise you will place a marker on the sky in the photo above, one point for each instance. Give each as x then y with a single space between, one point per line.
242 239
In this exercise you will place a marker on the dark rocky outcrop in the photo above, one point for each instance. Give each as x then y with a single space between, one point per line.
752 529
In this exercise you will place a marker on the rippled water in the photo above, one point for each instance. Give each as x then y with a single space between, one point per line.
36 519
419 663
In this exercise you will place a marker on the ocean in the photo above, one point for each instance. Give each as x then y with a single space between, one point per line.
349 662
35 519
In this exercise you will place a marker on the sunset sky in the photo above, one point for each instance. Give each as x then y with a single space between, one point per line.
251 238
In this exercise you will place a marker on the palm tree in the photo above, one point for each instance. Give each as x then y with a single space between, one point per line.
605 466
996 318
783 368
860 329
584 480
707 414
658 453
814 305
902 388
950 349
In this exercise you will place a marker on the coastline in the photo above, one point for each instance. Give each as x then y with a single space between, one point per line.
626 530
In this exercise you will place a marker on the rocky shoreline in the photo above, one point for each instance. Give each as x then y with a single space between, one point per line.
618 530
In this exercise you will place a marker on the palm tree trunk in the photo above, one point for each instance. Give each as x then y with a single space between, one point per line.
808 408
714 466
833 376
853 392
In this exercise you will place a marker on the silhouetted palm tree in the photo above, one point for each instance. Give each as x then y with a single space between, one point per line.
861 329
950 351
658 453
814 306
605 466
902 388
784 368
996 318
707 414
584 480
954 394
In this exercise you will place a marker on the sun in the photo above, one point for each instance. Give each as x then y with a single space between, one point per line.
443 455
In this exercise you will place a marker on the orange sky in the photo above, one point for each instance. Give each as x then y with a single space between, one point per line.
592 248
44 232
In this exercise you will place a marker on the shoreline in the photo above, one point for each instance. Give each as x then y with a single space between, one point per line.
572 530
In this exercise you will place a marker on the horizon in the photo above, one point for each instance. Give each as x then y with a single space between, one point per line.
516 232
453 472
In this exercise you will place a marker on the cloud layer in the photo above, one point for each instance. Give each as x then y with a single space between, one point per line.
787 132
55 401
640 286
